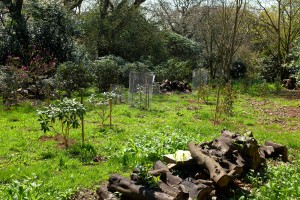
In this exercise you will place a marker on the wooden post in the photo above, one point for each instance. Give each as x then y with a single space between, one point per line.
82 120
110 112
217 112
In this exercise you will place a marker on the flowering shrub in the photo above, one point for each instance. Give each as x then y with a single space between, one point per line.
28 75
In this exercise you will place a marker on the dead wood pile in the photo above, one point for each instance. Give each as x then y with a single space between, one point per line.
202 172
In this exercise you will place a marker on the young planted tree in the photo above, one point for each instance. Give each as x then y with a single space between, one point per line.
103 107
68 113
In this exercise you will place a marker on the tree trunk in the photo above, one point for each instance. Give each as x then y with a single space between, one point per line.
217 173
118 183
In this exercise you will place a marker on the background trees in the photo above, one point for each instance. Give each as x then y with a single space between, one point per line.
176 36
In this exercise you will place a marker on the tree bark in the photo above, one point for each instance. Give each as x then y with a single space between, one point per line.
197 191
217 173
273 150
104 194
118 183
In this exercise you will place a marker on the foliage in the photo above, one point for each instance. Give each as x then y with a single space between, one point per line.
68 112
174 70
294 66
8 91
238 70
52 28
183 48
123 31
85 152
31 77
106 71
145 178
279 181
144 148
100 107
32 188
103 107
229 96
269 69
142 98
114 70
203 93
73 77
44 25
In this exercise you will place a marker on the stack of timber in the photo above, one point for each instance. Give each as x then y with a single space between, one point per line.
205 171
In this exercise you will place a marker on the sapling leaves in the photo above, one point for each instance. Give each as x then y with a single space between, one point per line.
68 112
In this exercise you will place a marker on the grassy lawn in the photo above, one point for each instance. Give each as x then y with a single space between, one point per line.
37 163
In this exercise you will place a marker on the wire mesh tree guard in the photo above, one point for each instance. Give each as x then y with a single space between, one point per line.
200 77
140 89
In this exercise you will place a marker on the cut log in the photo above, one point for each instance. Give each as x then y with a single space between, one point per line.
196 191
175 192
160 169
265 151
104 194
217 173
158 172
232 169
201 181
160 165
120 184
280 151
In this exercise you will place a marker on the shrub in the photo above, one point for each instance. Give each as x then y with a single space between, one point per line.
238 70
174 70
8 91
106 71
270 69
72 77
229 98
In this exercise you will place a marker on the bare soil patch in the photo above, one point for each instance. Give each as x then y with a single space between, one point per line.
59 139
288 117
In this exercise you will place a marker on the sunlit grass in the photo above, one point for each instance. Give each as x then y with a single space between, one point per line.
136 137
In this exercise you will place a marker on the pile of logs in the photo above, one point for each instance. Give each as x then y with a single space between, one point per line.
171 86
202 172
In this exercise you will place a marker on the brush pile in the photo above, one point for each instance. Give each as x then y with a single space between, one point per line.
205 171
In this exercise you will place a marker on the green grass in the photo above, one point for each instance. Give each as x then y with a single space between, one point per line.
139 137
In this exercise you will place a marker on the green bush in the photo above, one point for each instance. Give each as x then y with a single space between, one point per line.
72 77
8 91
114 70
106 71
238 70
174 70
85 152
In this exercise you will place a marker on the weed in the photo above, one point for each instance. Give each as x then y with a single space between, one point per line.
47 155
85 152
145 178
283 182
32 188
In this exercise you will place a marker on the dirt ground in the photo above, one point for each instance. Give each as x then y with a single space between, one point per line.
288 117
